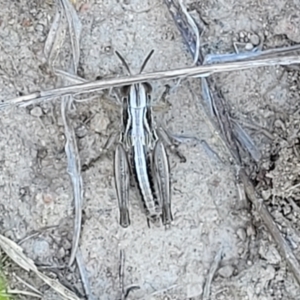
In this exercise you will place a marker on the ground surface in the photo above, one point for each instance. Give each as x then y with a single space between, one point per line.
35 189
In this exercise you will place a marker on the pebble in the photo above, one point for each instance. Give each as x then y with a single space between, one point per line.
226 271
287 209
250 231
66 244
241 234
266 194
254 39
39 27
249 46
48 199
242 34
41 248
99 123
36 112
61 253
81 131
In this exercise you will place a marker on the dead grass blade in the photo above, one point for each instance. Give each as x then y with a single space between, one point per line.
74 170
28 285
193 25
84 276
15 253
198 71
74 26
246 141
220 58
211 274
69 77
25 293
56 36
66 10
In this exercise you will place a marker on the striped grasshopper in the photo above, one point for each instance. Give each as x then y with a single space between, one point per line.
141 153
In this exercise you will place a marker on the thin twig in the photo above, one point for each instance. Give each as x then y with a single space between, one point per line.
198 71
28 285
19 292
124 291
211 274
84 276
246 141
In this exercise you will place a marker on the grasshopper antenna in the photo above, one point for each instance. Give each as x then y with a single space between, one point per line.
123 61
146 60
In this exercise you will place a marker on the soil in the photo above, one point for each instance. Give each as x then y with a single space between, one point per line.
36 199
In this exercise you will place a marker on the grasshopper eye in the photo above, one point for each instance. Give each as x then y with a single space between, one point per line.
148 87
125 90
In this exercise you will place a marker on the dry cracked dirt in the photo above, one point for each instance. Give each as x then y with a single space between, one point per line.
36 202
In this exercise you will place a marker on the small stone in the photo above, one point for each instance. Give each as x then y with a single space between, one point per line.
226 271
99 123
269 273
250 231
48 199
241 234
242 35
287 209
81 131
266 194
61 253
254 39
41 248
269 253
39 27
66 244
241 251
249 46
36 112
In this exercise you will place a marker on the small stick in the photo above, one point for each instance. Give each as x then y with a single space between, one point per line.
84 275
197 71
124 291
211 274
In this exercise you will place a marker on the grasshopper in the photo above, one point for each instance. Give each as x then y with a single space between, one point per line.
140 152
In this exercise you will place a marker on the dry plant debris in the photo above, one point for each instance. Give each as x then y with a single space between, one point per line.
15 253
66 19
231 132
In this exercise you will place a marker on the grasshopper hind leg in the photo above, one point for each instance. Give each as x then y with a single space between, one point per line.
161 170
122 182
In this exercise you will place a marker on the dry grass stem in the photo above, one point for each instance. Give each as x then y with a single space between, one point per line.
211 274
84 276
198 71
